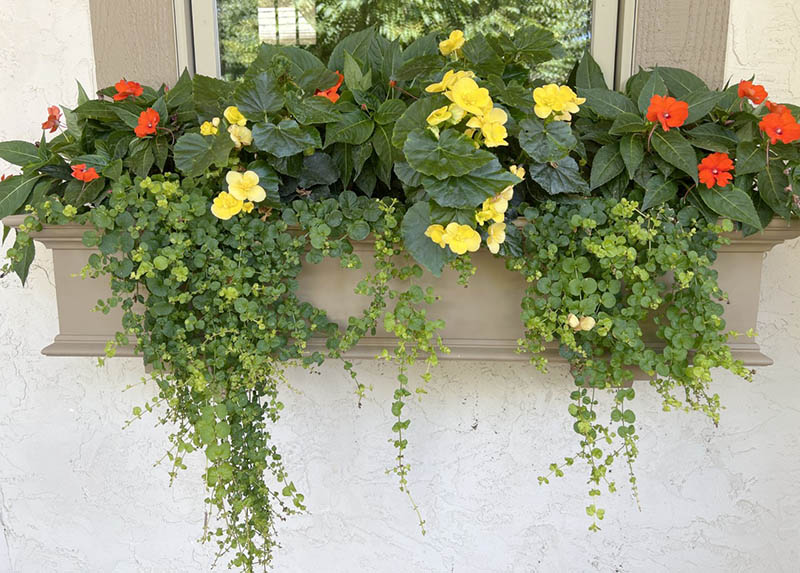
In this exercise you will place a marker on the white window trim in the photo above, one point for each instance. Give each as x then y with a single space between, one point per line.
612 37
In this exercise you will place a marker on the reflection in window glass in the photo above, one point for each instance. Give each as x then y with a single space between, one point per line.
244 24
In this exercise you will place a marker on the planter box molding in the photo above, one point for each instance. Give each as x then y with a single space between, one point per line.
473 331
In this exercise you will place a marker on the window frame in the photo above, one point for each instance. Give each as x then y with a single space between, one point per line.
612 43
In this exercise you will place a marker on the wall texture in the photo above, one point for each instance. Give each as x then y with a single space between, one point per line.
78 493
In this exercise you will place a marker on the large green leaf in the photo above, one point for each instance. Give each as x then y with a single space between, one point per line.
211 96
19 152
631 147
382 144
673 148
414 117
482 58
14 191
354 127
354 78
23 265
559 177
732 203
658 190
750 158
628 123
313 109
654 86
96 109
589 74
286 138
713 137
607 164
772 184
607 103
258 97
389 111
548 142
427 253
451 155
470 190
194 153
535 45
318 169
356 44
681 83
423 67
701 102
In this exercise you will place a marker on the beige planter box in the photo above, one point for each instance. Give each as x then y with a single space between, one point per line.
470 333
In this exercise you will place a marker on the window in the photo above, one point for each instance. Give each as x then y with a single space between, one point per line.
221 37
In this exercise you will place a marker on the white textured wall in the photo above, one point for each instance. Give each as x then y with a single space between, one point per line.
763 40
78 493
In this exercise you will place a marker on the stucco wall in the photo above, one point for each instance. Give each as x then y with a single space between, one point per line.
79 494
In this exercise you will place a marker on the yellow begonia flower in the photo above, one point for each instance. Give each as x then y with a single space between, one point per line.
466 94
496 235
244 186
226 206
492 127
247 206
241 136
450 77
560 100
494 208
234 116
436 234
519 171
454 42
210 127
585 323
438 116
461 238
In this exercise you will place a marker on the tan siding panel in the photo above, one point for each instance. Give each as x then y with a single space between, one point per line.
689 34
135 40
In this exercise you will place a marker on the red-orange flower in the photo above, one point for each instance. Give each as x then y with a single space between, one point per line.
776 107
330 93
754 92
780 127
668 111
126 89
80 173
715 170
53 119
148 122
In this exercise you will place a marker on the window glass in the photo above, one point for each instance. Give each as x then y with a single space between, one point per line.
244 24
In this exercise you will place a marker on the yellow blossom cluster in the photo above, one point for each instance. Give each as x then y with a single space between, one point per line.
584 323
243 191
237 127
460 238
463 238
560 101
468 98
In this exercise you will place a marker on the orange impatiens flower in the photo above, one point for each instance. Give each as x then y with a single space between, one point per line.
780 126
668 111
776 107
754 92
80 173
716 170
331 93
148 122
53 119
126 89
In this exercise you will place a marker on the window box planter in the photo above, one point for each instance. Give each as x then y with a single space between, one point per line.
472 335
